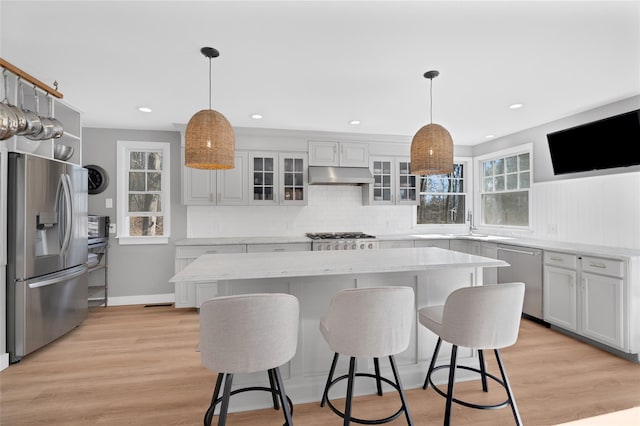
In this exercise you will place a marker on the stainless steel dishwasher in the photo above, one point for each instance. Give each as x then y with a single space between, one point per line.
525 266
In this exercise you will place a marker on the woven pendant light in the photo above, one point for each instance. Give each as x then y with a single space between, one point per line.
432 146
209 138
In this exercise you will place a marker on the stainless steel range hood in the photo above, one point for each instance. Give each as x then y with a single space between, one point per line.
328 175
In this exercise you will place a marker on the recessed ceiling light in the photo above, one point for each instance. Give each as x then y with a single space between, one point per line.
144 109
490 136
354 122
256 116
516 106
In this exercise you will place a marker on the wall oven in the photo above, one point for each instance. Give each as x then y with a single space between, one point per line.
97 229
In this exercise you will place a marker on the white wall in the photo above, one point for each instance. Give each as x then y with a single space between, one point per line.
600 210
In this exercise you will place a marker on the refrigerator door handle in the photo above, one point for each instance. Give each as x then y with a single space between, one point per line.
76 272
68 213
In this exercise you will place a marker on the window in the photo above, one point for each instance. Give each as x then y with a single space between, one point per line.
143 192
505 188
443 198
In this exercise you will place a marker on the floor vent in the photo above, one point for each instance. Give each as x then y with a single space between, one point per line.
158 305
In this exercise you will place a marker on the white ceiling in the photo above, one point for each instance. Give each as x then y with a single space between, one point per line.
315 65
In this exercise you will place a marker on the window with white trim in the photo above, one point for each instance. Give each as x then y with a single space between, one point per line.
443 198
505 188
144 205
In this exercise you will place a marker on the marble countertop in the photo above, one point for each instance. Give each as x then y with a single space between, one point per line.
567 247
243 240
232 266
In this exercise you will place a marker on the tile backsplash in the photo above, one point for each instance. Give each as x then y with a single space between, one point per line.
331 208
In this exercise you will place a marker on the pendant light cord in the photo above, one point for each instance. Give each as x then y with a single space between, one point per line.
431 99
209 83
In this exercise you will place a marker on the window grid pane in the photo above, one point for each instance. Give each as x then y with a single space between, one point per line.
505 191
443 197
144 198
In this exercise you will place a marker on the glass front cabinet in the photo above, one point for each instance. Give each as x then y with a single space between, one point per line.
393 182
278 178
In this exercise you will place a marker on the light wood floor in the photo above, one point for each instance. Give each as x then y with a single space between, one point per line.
137 365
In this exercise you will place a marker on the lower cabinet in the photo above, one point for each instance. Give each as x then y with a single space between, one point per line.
261 248
585 295
560 299
189 294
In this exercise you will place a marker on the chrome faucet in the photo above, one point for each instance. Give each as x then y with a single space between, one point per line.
470 219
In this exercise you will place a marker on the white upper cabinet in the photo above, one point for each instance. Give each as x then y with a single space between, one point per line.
344 154
393 182
217 187
278 178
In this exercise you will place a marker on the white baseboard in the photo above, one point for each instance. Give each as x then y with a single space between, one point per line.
4 361
142 299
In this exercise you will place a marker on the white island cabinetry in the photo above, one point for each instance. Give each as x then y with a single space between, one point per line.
190 294
314 277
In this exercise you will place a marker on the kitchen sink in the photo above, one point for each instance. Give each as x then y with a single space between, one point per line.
433 236
473 236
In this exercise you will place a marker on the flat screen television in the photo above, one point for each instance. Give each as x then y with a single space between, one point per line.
603 144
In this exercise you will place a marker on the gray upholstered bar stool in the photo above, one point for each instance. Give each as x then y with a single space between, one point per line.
370 323
482 317
246 334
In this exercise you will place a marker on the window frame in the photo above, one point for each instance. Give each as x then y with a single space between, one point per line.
469 178
479 221
123 149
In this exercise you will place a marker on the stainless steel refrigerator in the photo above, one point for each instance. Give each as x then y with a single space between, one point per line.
46 251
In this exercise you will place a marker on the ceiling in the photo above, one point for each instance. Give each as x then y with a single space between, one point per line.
316 65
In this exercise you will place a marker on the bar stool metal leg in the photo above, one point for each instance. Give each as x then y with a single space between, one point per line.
286 409
272 384
433 363
226 395
329 379
208 415
452 374
376 364
483 370
347 404
396 376
507 385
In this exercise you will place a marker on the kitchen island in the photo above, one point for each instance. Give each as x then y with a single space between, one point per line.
313 277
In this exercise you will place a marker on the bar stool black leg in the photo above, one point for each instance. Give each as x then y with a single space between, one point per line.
507 385
286 410
483 370
272 385
452 375
226 395
396 376
329 379
433 363
347 404
376 364
208 415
